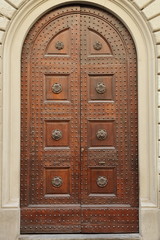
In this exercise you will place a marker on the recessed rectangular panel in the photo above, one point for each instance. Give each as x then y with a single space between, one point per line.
101 133
56 87
56 133
102 181
57 181
101 87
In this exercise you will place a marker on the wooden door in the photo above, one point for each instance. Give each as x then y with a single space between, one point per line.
79 156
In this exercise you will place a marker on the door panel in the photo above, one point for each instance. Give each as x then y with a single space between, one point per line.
106 126
51 153
79 152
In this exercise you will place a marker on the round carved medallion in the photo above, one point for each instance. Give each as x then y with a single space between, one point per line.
56 88
100 88
59 45
56 134
102 181
97 45
57 181
101 134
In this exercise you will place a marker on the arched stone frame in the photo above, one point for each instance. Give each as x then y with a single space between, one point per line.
148 175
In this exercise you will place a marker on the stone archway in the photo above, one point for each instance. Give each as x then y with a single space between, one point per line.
11 100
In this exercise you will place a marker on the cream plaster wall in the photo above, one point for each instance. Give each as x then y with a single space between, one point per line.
142 17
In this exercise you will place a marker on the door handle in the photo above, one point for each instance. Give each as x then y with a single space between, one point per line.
82 149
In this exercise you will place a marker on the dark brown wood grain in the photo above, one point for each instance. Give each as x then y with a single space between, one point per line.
79 125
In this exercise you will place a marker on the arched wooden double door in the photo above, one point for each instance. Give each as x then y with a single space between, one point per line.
79 125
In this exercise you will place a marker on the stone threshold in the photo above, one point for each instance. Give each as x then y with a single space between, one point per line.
80 237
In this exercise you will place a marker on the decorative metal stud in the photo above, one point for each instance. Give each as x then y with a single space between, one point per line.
97 45
102 181
57 181
100 88
56 88
101 134
59 45
57 134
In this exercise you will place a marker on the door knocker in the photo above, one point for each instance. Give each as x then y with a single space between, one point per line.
97 45
59 45
100 88
56 134
101 134
57 181
56 88
102 181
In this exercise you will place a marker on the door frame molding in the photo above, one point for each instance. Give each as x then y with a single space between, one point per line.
146 59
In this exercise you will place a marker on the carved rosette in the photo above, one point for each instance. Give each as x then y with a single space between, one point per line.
102 181
59 45
97 45
101 134
100 88
57 181
56 88
56 134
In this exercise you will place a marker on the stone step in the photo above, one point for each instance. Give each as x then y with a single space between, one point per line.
81 237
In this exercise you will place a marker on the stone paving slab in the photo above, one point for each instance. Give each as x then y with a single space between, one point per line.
81 237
